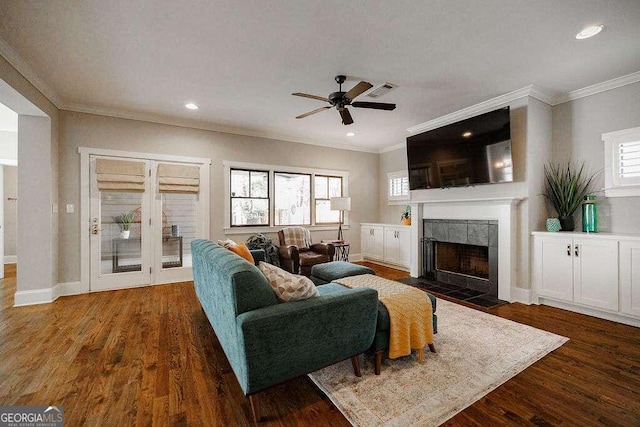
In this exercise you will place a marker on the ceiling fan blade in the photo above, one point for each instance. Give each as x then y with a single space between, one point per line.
346 117
317 110
306 95
374 105
358 89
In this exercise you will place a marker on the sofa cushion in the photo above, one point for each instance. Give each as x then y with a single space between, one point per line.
242 250
287 286
312 258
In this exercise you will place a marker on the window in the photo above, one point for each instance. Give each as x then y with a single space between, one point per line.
398 185
292 199
622 163
271 197
325 188
249 197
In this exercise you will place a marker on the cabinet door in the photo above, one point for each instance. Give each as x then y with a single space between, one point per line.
365 240
391 248
630 278
595 269
377 243
554 267
404 247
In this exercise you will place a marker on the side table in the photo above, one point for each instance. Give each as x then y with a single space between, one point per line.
342 249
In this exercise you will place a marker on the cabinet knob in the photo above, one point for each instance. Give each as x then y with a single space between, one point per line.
576 250
568 250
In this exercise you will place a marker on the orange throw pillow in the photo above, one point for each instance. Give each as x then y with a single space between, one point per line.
242 250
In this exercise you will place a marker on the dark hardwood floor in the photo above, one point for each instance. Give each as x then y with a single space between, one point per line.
148 356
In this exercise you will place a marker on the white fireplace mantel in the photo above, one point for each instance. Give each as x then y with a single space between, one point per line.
502 209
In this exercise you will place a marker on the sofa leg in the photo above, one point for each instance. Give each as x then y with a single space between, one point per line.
255 409
432 348
377 367
356 365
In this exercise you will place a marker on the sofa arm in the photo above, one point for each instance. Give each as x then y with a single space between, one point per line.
290 339
258 255
324 248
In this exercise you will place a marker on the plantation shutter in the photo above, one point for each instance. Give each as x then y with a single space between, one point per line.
629 169
176 178
120 175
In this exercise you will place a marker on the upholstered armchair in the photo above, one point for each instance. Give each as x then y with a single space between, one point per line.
298 253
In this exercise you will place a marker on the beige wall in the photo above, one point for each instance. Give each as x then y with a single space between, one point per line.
10 175
577 130
86 130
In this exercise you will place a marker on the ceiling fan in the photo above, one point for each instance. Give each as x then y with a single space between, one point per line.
341 99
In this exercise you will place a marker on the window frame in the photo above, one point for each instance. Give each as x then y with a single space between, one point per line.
272 169
402 174
268 198
614 187
315 199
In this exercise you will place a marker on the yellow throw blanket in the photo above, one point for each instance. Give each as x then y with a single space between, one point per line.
410 312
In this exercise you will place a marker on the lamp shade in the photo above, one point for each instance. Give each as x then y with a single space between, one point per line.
340 203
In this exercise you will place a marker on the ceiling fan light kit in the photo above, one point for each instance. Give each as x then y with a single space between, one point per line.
341 100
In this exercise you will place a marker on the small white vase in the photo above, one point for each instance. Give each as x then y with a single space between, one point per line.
124 234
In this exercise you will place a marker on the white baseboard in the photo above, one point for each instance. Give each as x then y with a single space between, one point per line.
47 295
355 257
591 312
521 295
10 259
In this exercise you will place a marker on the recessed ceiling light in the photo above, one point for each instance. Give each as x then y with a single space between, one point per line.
191 106
351 134
467 134
589 31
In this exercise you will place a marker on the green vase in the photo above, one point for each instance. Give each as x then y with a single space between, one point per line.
553 224
567 223
590 215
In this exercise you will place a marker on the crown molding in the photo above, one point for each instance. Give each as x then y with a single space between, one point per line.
27 72
402 145
474 110
173 121
599 87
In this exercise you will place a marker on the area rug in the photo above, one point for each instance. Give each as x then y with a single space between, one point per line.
476 352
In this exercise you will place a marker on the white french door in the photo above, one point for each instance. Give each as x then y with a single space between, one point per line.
119 260
157 248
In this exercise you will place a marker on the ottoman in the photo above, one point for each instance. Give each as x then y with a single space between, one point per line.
329 271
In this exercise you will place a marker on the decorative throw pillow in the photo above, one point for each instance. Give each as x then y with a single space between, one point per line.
226 243
287 286
242 250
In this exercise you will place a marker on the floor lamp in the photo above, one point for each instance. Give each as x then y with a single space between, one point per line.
340 204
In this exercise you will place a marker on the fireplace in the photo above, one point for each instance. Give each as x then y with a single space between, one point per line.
462 253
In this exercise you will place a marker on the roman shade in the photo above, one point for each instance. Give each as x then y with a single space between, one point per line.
120 175
176 178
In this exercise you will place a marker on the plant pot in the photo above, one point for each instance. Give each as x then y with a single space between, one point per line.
406 221
567 223
124 234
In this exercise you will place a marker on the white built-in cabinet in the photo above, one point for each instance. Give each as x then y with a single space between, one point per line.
388 243
594 271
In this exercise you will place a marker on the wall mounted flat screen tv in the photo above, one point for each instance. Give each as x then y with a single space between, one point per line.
473 151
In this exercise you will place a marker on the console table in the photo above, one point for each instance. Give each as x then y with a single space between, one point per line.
120 252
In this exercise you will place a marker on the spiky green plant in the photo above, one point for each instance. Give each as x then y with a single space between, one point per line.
565 186
124 220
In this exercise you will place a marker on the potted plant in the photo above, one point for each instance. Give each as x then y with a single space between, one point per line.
565 187
124 220
406 216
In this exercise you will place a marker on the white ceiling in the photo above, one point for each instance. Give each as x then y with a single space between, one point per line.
241 60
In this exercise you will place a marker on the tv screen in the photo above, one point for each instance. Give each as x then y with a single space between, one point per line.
470 152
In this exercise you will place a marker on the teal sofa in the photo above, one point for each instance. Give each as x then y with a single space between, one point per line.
268 342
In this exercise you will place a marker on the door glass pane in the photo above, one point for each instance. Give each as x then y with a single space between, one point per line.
120 232
292 199
178 228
